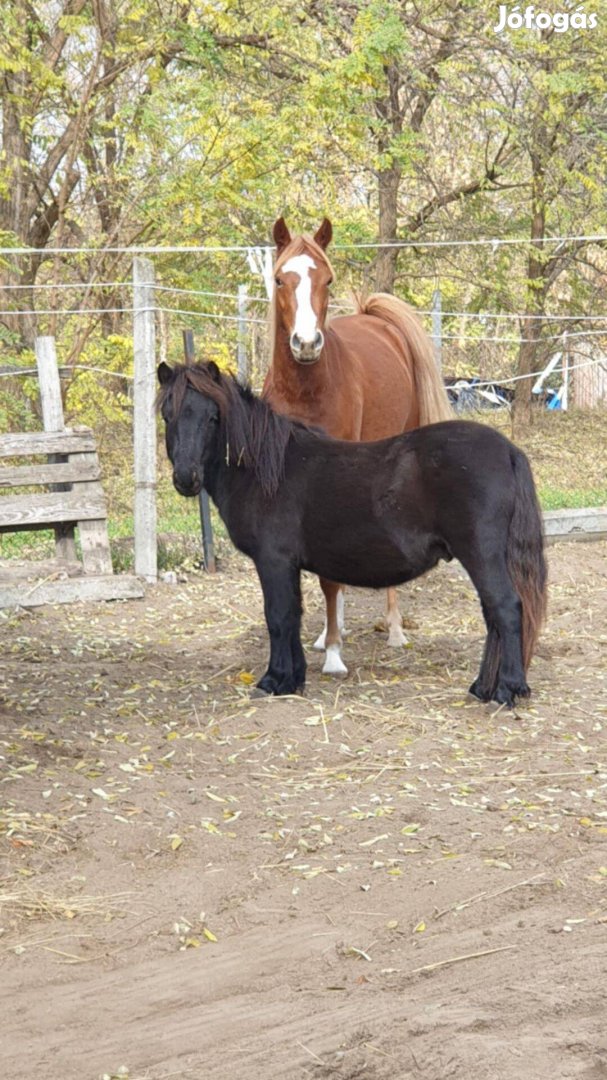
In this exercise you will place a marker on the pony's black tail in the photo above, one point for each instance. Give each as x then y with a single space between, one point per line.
526 565
525 554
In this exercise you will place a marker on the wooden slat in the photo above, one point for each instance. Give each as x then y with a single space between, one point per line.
55 473
24 511
14 570
26 443
94 539
108 587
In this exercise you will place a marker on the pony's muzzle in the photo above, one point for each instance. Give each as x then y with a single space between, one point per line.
187 481
307 352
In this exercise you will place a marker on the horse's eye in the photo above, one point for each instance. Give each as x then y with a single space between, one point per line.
279 282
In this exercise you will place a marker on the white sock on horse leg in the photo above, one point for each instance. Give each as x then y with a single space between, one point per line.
321 640
334 664
395 629
341 603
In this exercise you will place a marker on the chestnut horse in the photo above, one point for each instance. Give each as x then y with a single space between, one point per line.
360 377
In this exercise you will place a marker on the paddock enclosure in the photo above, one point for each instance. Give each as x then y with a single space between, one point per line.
380 879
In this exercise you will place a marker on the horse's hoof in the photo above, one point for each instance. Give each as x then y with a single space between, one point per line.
478 693
396 638
507 695
334 664
319 644
259 692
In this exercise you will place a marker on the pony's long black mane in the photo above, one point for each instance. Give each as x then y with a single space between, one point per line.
253 434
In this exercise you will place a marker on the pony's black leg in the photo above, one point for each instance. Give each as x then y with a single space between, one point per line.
502 675
282 604
486 680
299 661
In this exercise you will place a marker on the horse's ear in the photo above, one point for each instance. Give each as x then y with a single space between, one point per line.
164 373
281 234
324 234
214 371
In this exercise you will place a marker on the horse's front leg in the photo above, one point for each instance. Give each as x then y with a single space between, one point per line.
331 637
280 582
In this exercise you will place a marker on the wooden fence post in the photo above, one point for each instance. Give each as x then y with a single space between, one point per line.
144 421
52 420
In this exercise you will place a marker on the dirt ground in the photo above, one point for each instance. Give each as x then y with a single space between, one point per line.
382 879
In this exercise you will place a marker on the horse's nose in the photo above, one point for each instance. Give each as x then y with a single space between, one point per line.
307 350
187 481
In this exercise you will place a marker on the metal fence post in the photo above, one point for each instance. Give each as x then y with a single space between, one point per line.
144 421
565 394
206 525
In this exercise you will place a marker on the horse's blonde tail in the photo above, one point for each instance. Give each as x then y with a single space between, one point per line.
432 396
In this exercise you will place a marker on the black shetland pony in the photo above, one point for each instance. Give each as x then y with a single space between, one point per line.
370 514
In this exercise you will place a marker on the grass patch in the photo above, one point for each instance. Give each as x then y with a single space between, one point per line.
561 499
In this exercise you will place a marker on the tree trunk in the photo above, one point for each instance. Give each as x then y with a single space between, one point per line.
531 323
385 264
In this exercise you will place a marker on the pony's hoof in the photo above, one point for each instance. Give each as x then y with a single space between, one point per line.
396 638
477 692
507 695
319 644
259 692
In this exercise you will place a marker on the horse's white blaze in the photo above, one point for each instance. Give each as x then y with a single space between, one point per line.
334 664
306 323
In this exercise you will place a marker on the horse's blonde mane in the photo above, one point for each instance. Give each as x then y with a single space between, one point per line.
431 394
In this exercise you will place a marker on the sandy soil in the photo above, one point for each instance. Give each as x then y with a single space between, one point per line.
383 879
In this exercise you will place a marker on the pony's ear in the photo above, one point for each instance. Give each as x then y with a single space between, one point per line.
281 234
214 371
324 234
164 373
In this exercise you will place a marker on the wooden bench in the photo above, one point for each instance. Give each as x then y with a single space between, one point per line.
72 496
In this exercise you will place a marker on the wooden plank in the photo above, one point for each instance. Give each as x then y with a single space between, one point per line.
28 443
19 512
85 468
587 523
14 570
69 590
94 539
144 419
